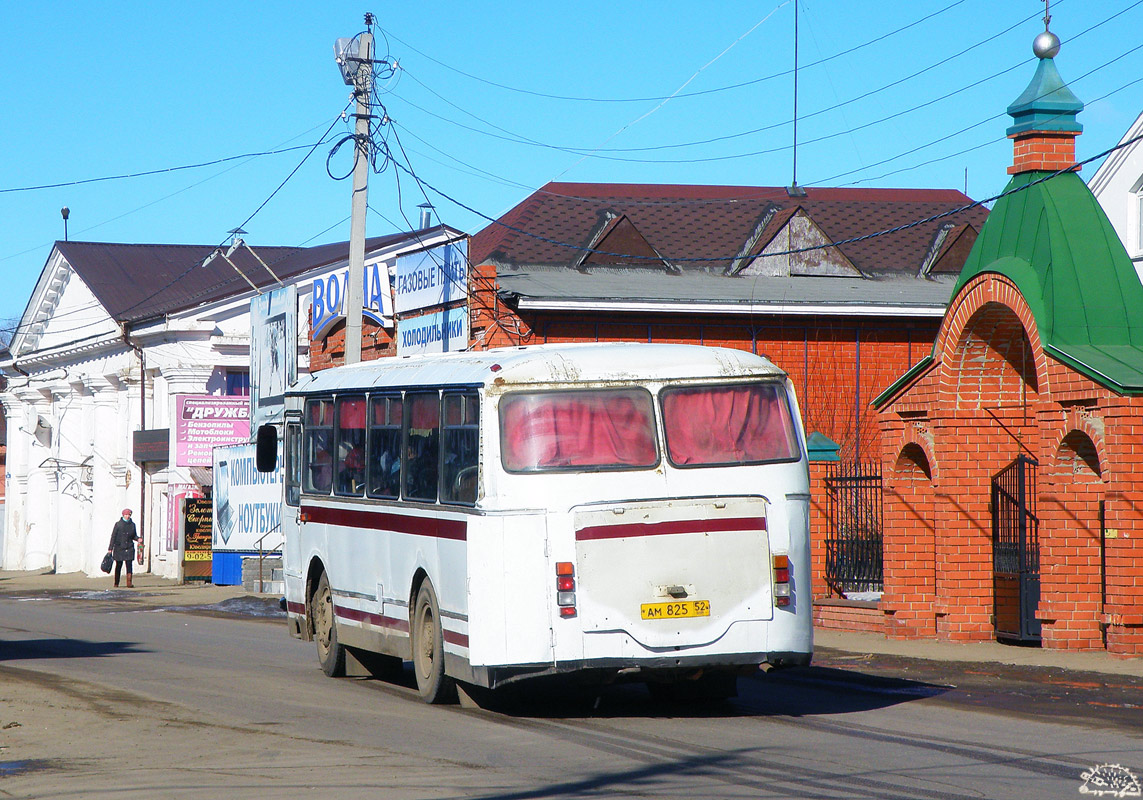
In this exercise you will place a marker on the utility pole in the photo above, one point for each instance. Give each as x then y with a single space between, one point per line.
362 147
794 190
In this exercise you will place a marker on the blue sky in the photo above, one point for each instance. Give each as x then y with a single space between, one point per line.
907 94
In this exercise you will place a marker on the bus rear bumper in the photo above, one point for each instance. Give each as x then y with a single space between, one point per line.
606 670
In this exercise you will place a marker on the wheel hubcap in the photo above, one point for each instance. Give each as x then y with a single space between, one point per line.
427 630
323 621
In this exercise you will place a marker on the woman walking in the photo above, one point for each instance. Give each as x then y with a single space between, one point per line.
122 545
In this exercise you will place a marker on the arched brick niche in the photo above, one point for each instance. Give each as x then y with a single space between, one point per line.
909 546
993 362
913 464
1071 542
1077 459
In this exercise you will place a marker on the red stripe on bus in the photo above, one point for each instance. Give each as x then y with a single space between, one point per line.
382 521
357 615
671 527
296 608
402 625
452 637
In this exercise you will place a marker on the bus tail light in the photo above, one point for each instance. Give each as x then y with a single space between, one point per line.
565 588
781 581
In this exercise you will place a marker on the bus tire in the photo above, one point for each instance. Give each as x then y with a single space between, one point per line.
428 649
331 654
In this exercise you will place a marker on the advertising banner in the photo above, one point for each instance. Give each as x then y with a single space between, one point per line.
440 332
431 277
247 503
203 422
196 524
328 303
175 494
273 353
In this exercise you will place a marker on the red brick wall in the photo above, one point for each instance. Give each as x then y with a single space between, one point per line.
837 365
846 615
1043 150
818 472
909 556
993 395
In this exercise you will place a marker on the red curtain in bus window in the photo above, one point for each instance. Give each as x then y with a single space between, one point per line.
728 425
352 411
580 429
424 411
321 412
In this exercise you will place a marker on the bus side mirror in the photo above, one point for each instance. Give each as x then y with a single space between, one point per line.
266 455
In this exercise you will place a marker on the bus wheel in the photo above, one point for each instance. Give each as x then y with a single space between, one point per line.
331 655
428 649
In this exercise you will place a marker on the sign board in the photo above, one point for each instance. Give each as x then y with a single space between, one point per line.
151 445
197 520
176 492
433 277
247 503
440 332
327 304
273 353
203 422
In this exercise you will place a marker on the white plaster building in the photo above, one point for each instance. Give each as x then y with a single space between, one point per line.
111 335
1118 186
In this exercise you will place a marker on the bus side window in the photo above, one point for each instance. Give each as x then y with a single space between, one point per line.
460 434
384 447
350 446
293 471
422 445
317 449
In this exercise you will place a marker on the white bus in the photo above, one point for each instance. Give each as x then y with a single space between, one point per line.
634 511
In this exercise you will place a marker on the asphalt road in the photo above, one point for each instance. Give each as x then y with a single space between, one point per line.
103 698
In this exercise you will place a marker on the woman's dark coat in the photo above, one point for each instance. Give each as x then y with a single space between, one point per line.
123 537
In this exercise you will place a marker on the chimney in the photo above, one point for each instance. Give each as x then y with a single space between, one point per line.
426 215
1044 128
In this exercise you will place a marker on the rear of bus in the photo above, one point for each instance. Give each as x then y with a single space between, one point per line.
647 530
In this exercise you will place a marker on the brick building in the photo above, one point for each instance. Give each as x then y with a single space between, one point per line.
1013 454
785 275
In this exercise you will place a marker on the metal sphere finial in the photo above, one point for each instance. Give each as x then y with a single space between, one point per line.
1046 45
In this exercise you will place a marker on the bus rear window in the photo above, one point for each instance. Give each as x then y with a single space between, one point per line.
586 429
728 425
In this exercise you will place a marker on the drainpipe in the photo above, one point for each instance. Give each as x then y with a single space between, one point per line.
142 425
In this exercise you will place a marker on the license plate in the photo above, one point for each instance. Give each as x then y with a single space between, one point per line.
676 609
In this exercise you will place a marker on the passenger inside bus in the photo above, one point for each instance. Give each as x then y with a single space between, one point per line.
421 467
351 476
321 471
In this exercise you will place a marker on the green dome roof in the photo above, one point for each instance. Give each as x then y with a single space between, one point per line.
1055 243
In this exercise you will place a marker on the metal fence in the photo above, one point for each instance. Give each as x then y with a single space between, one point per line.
854 528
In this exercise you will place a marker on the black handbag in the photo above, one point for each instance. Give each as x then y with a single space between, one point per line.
107 563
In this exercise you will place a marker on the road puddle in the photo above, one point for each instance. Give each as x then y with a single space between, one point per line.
9 768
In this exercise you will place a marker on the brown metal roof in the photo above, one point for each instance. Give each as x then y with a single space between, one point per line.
143 281
706 227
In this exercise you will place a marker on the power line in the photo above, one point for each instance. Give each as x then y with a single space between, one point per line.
286 180
708 259
585 151
965 129
696 93
162 171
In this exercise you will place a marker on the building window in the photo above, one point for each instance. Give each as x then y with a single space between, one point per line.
237 384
